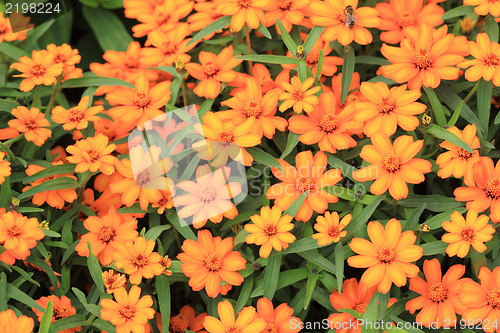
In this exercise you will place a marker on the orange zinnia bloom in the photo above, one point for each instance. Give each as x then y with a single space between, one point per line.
32 123
14 27
344 21
485 192
4 167
213 70
93 154
113 281
138 259
251 103
186 319
385 109
263 77
130 312
277 320
457 161
486 62
388 255
309 176
392 165
398 16
76 117
463 233
69 57
270 230
166 202
247 321
12 324
424 58
299 95
482 301
439 296
204 14
106 234
329 228
327 126
166 263
246 11
19 234
289 12
61 308
209 261
169 47
483 7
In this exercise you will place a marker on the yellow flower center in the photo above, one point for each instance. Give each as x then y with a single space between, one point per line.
207 194
169 48
143 178
333 231
31 124
270 230
252 109
493 298
244 3
178 324
328 123
127 311
391 163
93 155
140 261
492 188
491 60
464 153
360 307
106 234
61 312
59 59
305 184
387 105
270 328
386 255
298 95
213 263
422 59
437 292
210 70
226 137
14 231
38 70
75 115
142 100
285 5
467 234
407 20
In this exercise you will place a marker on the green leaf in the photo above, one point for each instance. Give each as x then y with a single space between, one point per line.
3 291
108 29
20 296
91 80
478 260
95 269
347 72
296 204
286 278
320 65
168 69
184 230
302 70
263 157
5 193
70 322
46 319
51 171
352 312
435 203
412 222
456 114
155 232
7 105
163 289
301 245
436 221
205 107
290 44
311 39
244 296
24 274
211 28
291 143
270 59
443 134
318 260
491 28
371 60
50 185
484 92
371 313
310 286
339 265
437 108
458 11
12 51
434 248
271 275
363 217
34 34
263 30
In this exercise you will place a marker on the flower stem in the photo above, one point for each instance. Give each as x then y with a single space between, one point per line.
9 143
184 97
471 93
81 187
249 48
55 92
37 96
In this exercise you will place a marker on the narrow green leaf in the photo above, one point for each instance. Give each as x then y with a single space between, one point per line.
5 193
184 230
437 108
95 269
155 232
263 30
320 65
478 260
3 291
352 312
270 59
456 114
24 274
244 296
20 296
49 185
318 260
436 221
311 39
287 39
205 107
263 157
328 281
363 217
7 105
295 206
168 69
458 11
163 289
434 248
272 274
302 70
339 265
51 171
412 223
371 313
46 319
310 286
70 322
301 245
93 80
286 278
13 51
371 60
435 203
347 72
484 92
211 28
443 134
34 34
291 143
491 28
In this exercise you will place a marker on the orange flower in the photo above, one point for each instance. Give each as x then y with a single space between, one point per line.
270 230
30 122
344 21
385 109
213 70
289 12
299 95
113 281
165 202
388 255
204 14
141 104
424 58
209 261
439 296
12 324
130 312
463 233
392 166
247 321
186 319
166 263
138 259
309 176
483 7
14 27
106 234
69 57
277 320
37 70
399 16
209 197
486 62
482 300
76 117
54 198
19 234
169 47
251 103
329 228
246 11
457 161
485 192
263 77
93 154
61 308
327 126
4 167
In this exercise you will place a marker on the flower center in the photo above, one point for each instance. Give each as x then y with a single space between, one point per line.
93 155
386 255
207 194
131 63
360 307
285 5
464 153
387 105
493 298
467 234
127 311
333 231
304 184
142 100
210 70
178 324
437 292
38 70
252 109
226 137
422 59
298 95
75 115
169 48
492 188
312 59
213 263
268 85
270 328
491 60
244 3
106 234
270 230
14 231
59 59
140 261
143 178
61 312
391 163
407 20
31 124
328 123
